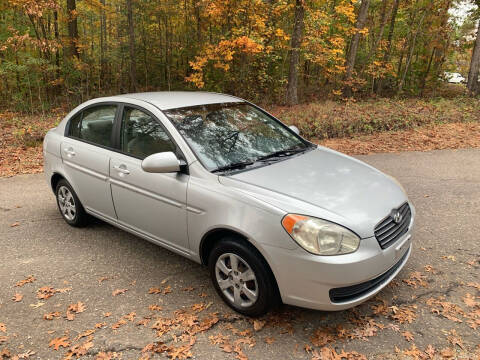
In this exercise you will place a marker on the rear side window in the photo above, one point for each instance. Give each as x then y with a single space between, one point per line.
94 125
75 123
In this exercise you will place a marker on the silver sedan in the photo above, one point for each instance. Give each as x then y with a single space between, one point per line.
222 182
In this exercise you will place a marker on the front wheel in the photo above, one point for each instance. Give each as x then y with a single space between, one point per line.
242 277
69 205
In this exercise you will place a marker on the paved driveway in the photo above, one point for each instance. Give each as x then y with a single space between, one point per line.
434 306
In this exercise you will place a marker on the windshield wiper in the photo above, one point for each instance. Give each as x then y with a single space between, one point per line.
282 153
234 166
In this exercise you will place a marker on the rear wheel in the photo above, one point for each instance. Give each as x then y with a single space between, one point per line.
242 277
69 205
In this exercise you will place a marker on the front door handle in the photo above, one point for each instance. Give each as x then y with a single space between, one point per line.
122 169
69 151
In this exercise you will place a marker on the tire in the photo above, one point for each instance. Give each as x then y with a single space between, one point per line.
69 205
236 282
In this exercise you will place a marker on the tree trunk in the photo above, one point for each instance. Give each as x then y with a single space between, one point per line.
294 53
386 57
383 23
131 46
425 75
103 44
410 55
352 52
55 30
72 28
473 73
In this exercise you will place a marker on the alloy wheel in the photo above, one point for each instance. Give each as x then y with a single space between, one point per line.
236 280
66 203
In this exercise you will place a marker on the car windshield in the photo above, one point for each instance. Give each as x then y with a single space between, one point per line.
229 134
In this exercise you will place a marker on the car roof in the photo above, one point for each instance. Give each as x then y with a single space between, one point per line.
165 100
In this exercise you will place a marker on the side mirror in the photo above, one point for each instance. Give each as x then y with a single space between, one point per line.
294 129
164 162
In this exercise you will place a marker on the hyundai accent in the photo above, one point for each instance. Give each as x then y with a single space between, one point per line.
220 181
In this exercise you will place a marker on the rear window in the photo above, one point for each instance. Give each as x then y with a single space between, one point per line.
94 125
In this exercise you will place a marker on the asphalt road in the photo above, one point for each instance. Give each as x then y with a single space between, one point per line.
444 266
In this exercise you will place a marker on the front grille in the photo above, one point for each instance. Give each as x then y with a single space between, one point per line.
388 230
353 292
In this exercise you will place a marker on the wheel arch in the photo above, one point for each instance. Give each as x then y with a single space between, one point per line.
213 236
55 178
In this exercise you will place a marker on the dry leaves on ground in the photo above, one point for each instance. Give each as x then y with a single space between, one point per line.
440 136
28 280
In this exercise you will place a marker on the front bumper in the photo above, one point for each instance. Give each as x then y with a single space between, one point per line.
308 280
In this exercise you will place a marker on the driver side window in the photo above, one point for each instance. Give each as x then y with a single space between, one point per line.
141 135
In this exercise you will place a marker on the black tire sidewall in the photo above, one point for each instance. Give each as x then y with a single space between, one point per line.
266 290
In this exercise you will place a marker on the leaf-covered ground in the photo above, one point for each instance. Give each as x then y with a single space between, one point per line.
373 126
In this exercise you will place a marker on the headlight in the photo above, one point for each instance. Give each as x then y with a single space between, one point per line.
320 237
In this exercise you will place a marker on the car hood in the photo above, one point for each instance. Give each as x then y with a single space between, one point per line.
325 184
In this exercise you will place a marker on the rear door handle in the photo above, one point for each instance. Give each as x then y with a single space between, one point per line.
122 169
69 151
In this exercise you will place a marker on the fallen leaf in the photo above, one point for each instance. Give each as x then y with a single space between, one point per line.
447 353
37 305
51 315
119 291
107 314
430 268
414 352
17 297
408 335
448 257
3 328
5 353
45 292
78 307
143 322
29 279
404 314
73 309
85 334
102 279
258 324
106 355
59 342
130 317
269 340
430 351
79 350
455 339
118 324
15 224
475 285
155 308
470 301
24 355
